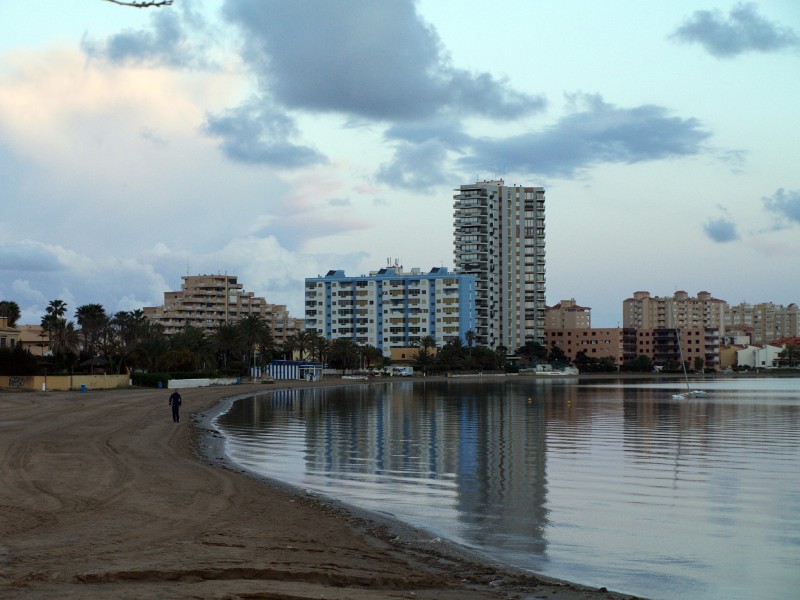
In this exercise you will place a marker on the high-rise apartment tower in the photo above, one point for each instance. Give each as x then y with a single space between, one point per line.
499 239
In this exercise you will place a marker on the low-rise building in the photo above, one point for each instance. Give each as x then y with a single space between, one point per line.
759 357
696 345
34 339
391 308
9 336
596 342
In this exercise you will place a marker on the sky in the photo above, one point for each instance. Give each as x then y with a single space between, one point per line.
276 140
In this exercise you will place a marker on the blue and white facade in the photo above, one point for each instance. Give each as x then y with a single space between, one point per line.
391 308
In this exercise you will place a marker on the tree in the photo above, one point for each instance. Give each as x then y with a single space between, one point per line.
152 346
320 346
470 335
227 341
422 358
251 329
343 354
190 350
128 328
790 354
371 355
92 320
533 352
641 363
301 343
10 310
56 308
266 345
557 355
63 338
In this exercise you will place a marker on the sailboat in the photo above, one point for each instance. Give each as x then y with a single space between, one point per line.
689 393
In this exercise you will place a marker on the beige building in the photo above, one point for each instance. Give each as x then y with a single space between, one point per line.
34 339
762 323
661 345
644 311
499 238
568 315
9 336
206 301
596 342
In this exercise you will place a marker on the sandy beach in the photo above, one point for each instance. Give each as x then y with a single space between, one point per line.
103 496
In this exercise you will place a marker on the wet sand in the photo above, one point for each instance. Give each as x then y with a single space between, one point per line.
103 496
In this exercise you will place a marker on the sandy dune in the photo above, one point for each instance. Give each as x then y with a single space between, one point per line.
103 496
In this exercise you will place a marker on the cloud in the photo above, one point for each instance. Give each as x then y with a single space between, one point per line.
415 166
744 30
599 133
376 60
29 256
721 230
256 133
784 206
167 43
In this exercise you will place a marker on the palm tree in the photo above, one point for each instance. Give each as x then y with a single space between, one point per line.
227 341
319 346
58 333
301 342
152 345
56 308
10 310
128 328
422 358
343 354
371 355
470 336
251 330
266 345
192 349
92 320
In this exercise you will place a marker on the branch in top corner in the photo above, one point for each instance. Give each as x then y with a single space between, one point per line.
143 4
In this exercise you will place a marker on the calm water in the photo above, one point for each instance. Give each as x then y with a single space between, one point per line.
606 484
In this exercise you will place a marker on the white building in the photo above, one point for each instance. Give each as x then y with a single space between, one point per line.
390 308
758 357
499 239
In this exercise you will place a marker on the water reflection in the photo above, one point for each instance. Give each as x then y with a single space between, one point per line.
617 485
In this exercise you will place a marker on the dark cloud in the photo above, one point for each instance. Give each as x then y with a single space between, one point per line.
721 230
785 206
28 257
415 166
376 60
257 134
600 133
175 39
744 30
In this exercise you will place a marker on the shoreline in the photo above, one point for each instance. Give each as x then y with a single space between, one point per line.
510 581
103 496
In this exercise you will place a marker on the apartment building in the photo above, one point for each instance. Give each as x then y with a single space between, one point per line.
763 323
567 314
206 301
698 345
391 308
644 311
499 239
596 342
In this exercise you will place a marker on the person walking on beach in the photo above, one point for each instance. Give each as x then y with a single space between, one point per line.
175 403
